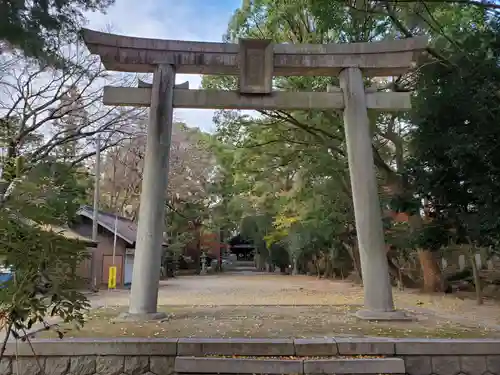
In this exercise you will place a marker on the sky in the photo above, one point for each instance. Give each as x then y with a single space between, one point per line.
196 20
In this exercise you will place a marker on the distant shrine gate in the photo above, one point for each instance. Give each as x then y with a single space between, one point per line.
256 62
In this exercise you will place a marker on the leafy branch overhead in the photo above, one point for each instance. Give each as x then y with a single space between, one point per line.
39 27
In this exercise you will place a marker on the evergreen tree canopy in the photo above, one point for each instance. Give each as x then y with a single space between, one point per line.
38 27
456 158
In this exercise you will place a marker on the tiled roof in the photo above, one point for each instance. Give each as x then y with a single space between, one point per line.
68 233
63 231
126 229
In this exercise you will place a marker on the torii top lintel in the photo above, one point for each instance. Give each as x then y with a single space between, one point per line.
131 54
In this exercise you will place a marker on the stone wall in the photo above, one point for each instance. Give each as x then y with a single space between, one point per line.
168 356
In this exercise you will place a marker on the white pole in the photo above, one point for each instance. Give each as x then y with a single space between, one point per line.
114 238
96 186
114 242
115 204
95 213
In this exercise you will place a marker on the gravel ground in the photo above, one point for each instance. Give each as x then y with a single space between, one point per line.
267 321
262 289
273 305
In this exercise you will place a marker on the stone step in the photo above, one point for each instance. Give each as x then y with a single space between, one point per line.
239 268
340 365
245 263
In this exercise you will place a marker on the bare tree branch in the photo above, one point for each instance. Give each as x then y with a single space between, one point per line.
48 112
191 166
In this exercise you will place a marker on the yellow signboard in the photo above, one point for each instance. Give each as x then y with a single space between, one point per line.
112 278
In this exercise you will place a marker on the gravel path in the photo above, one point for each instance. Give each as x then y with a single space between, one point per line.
262 289
272 305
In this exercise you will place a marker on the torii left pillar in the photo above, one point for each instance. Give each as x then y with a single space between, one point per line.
147 259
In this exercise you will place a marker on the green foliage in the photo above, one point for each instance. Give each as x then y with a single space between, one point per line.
44 283
12 167
285 167
43 261
454 148
279 256
409 205
38 27
51 192
432 236
179 242
291 167
255 229
228 206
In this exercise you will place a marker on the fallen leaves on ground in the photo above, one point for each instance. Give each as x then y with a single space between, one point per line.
270 322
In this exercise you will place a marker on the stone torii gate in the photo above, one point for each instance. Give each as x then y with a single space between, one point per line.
256 62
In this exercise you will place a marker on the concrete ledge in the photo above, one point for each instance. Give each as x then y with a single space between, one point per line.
355 366
315 347
237 366
200 347
249 347
89 347
447 347
365 346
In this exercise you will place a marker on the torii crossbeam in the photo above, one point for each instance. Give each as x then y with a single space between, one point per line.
256 62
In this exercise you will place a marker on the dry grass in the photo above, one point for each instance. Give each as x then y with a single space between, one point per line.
269 321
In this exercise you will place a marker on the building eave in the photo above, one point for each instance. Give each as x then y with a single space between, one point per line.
88 215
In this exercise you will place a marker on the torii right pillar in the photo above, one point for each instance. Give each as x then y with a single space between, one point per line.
379 303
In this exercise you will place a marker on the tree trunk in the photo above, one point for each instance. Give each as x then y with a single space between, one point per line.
433 278
329 269
316 266
261 262
475 273
295 270
326 272
432 275
197 234
356 261
477 280
395 272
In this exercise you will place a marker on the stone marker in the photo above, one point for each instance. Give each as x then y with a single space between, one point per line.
461 262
